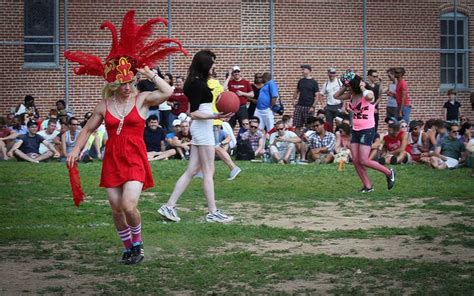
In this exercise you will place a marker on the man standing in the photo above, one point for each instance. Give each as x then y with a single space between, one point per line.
330 87
305 92
243 89
373 84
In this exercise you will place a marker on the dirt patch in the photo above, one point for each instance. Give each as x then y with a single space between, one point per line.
328 216
398 247
48 269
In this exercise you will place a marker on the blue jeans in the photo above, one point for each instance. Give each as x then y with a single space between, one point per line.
406 113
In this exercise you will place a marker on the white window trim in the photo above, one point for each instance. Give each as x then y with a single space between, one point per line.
50 65
465 19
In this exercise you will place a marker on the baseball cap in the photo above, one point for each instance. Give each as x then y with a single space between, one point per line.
31 123
176 122
332 70
235 68
306 66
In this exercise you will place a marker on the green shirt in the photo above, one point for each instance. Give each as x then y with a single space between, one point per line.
451 147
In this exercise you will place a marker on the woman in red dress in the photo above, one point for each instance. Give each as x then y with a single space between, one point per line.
125 171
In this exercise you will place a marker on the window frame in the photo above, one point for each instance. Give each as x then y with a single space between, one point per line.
56 47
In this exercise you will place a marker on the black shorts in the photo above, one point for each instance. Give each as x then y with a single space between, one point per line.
363 137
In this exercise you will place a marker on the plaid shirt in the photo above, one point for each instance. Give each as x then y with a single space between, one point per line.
329 140
253 138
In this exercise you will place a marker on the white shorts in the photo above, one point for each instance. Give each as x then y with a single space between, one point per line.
451 162
202 129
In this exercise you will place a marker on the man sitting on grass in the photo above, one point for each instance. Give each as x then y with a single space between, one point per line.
449 151
282 144
27 146
321 143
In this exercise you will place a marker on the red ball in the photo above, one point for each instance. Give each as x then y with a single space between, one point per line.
228 102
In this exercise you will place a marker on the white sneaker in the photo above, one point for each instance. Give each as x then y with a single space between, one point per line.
235 171
169 213
219 217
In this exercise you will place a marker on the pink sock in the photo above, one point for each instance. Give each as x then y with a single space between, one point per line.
136 233
126 237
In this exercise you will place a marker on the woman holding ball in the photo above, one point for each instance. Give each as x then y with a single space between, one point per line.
203 142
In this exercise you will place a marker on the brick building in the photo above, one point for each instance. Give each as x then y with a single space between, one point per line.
258 36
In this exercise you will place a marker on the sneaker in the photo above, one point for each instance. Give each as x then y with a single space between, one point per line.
233 174
199 175
138 254
219 217
367 190
169 213
391 179
127 253
302 162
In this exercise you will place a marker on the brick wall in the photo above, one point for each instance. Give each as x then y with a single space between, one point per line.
225 25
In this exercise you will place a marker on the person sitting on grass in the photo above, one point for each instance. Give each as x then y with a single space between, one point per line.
68 139
256 139
27 146
154 137
7 138
395 145
182 141
321 143
449 152
282 144
417 141
342 148
50 135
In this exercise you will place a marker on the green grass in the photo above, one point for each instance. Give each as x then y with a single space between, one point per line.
37 213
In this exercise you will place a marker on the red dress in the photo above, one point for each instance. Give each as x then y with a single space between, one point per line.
125 158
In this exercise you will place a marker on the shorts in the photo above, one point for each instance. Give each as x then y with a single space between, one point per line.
451 163
363 137
301 114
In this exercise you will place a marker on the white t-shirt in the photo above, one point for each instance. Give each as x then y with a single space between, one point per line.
48 139
282 145
329 89
44 125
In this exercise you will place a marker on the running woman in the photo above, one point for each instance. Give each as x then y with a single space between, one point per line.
363 130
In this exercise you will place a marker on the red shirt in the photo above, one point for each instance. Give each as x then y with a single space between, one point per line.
242 85
5 132
402 86
392 143
180 102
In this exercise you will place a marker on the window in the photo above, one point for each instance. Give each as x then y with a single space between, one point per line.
41 26
454 51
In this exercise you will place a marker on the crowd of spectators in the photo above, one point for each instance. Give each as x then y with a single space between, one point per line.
318 131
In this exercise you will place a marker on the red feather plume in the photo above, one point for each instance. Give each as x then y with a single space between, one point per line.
132 44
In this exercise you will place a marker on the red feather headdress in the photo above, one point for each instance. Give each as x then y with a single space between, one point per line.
128 53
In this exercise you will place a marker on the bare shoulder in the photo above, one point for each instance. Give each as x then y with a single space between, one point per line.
101 107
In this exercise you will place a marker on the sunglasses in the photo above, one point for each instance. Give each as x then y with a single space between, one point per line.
253 126
236 71
455 131
280 129
403 126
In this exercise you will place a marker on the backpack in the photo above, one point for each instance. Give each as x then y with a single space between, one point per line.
244 150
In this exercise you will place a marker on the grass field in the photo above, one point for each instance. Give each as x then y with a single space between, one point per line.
298 230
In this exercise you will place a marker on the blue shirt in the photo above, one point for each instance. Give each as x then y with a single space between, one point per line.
268 91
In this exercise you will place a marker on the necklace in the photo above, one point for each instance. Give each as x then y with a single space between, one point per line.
121 115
